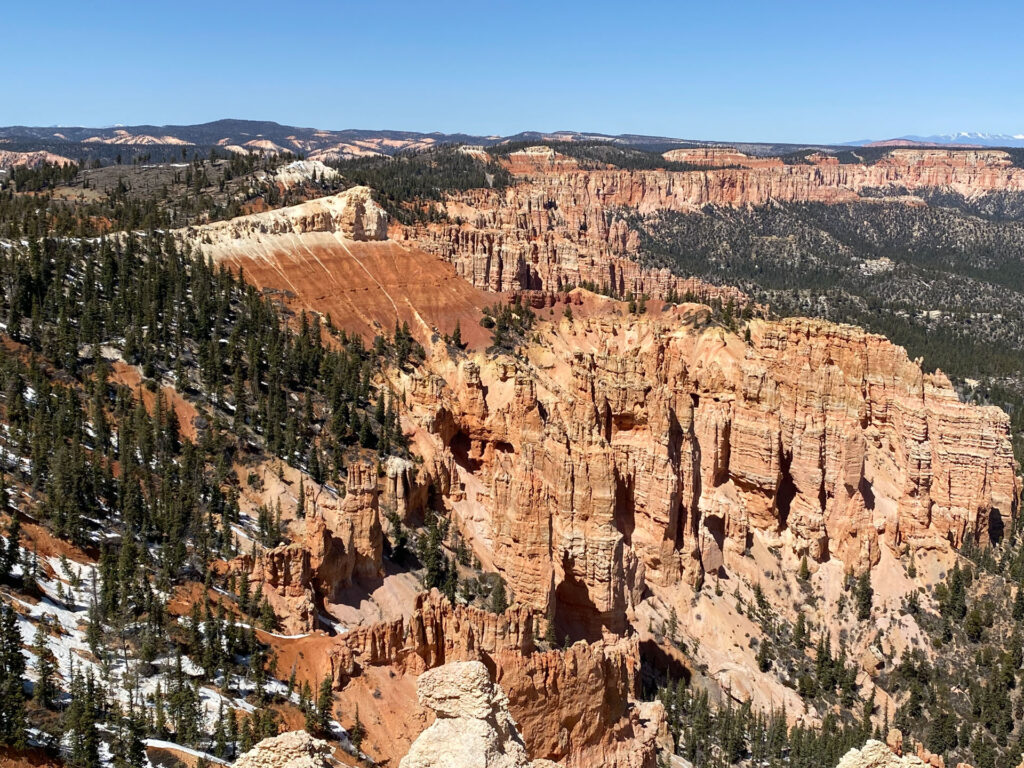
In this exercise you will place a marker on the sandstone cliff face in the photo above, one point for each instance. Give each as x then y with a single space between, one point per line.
549 237
473 727
628 451
343 543
434 634
577 706
561 225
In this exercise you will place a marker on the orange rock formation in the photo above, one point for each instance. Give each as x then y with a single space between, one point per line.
561 225
343 543
330 255
576 705
625 451
614 455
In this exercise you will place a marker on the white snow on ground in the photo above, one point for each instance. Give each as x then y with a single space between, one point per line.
158 744
66 607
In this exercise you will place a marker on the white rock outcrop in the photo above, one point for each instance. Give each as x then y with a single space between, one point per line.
473 728
294 749
875 754
299 172
352 215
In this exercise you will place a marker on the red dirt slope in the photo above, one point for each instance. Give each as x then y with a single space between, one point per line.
364 286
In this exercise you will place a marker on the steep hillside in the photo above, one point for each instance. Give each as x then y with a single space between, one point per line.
331 255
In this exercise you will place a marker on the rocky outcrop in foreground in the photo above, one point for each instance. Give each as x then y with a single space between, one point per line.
294 749
473 727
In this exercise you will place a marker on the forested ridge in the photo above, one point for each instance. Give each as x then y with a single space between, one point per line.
411 184
56 200
91 463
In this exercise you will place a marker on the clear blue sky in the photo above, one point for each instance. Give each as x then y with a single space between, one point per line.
801 71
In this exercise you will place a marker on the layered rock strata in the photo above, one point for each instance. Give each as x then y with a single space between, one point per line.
619 452
560 225
578 706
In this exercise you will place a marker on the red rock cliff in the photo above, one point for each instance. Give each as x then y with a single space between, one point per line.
560 225
577 705
343 542
623 451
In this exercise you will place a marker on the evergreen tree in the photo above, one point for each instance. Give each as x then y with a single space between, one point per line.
805 572
45 691
81 722
12 671
800 631
1018 604
499 597
10 550
357 732
128 749
324 705
864 596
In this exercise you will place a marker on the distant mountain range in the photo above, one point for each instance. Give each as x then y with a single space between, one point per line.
169 142
963 138
21 144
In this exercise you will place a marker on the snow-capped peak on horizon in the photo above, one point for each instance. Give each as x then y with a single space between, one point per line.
972 137
960 138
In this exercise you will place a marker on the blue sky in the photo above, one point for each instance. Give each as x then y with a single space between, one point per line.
773 71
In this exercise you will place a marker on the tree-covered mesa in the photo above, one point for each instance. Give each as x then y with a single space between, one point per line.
75 200
113 470
409 185
596 154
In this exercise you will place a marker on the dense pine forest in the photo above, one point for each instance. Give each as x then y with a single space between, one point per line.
92 464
